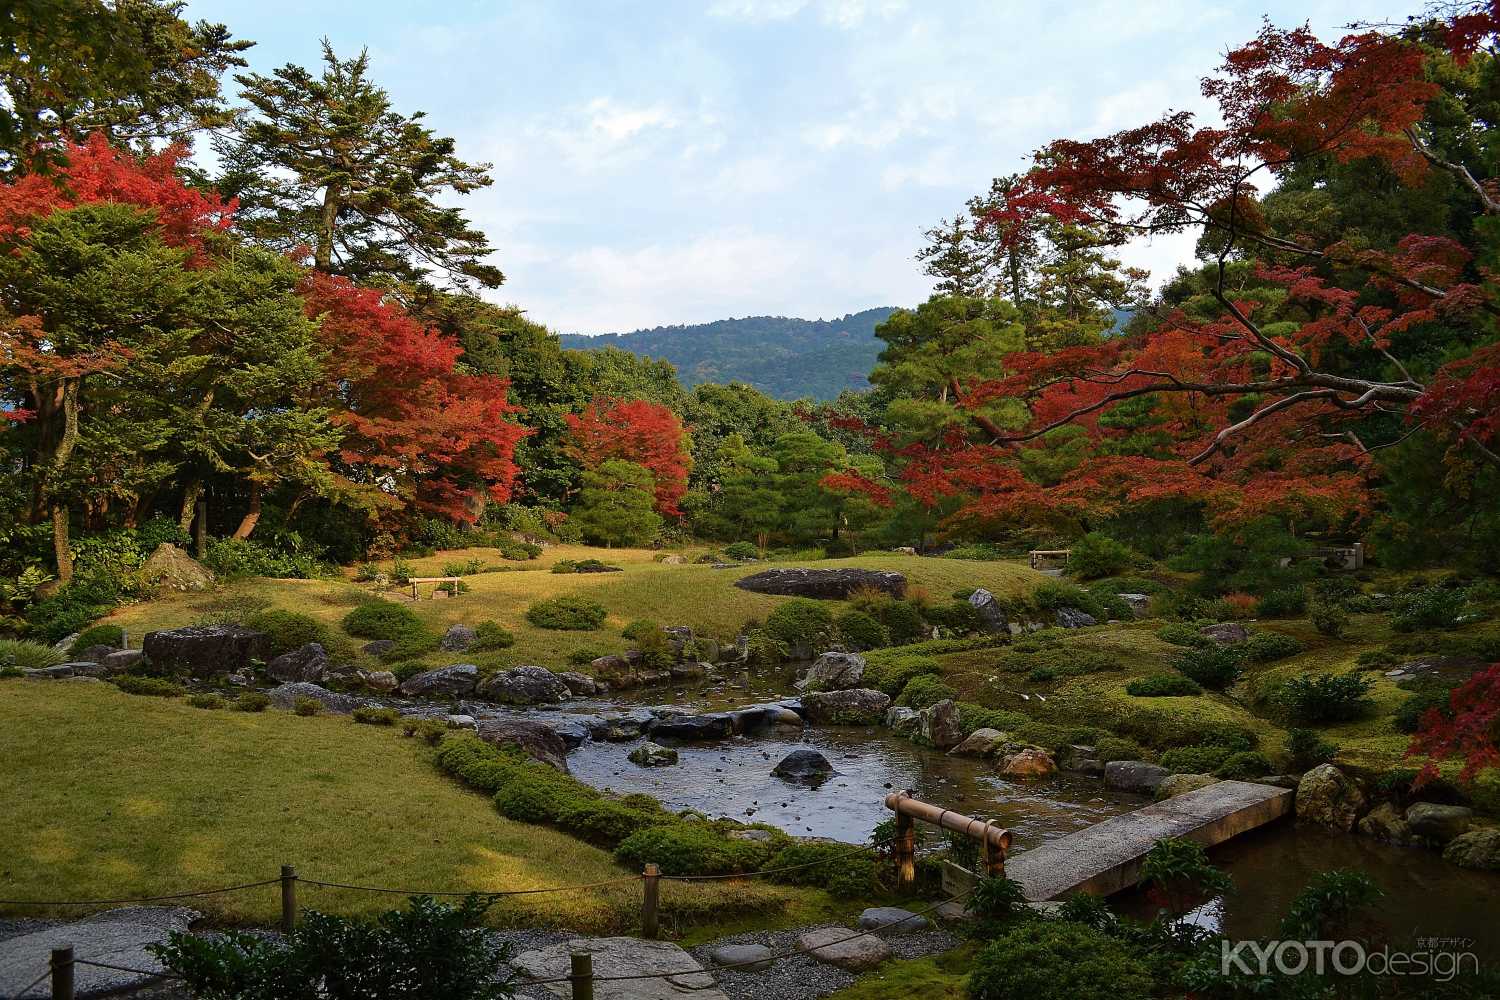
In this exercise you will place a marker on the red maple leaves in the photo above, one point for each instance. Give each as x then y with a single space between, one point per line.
635 430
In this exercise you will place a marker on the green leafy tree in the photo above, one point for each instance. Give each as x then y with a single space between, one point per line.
616 505
802 460
747 504
324 161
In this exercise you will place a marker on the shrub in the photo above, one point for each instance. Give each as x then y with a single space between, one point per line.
1177 873
654 646
1096 555
800 621
491 635
24 655
925 690
979 552
808 863
994 903
1334 905
972 717
155 687
11 673
1223 734
890 670
1179 634
1196 759
564 566
371 715
288 630
1055 739
1244 765
740 551
98 635
535 793
1163 686
1328 617
1427 608
205 700
567 614
608 822
1054 594
1214 667
1326 697
1057 960
960 616
306 706
861 631
585 655
237 558
1118 748
71 609
1283 602
251 701
430 949
1409 714
903 621
1263 647
1238 606
690 848
429 731
1307 749
1041 674
396 622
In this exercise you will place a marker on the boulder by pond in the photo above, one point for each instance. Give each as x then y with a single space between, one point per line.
459 638
286 695
940 726
823 584
94 654
1028 763
206 650
579 684
1134 776
991 616
834 672
1437 822
170 568
980 743
650 754
539 741
622 726
902 721
674 973
1326 797
1478 849
856 707
842 947
305 663
805 767
524 685
378 680
1385 823
456 681
691 728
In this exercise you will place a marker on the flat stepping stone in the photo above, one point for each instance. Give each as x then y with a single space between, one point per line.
842 947
115 937
744 957
674 973
952 911
892 920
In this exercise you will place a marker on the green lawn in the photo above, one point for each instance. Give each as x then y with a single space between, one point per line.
108 795
696 595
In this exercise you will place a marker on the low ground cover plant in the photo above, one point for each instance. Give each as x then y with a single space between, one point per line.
567 614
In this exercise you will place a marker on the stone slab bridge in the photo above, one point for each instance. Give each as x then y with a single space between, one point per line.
1106 857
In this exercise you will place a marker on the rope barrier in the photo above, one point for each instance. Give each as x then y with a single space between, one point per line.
39 980
138 899
126 968
471 892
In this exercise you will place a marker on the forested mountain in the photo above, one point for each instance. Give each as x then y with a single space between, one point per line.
781 356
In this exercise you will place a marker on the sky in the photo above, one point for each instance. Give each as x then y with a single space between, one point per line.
664 162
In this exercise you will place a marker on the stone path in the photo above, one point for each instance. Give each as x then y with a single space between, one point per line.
117 937
1106 857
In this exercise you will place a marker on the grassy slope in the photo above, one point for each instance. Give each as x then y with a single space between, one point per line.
108 795
700 596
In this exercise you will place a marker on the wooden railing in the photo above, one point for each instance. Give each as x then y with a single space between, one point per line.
994 840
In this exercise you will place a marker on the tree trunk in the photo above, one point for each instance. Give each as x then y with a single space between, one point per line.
190 494
323 253
60 547
252 516
62 552
200 538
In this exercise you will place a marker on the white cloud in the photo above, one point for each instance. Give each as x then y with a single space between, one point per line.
835 13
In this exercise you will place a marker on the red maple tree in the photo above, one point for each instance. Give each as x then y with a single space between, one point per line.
417 430
635 430
1470 730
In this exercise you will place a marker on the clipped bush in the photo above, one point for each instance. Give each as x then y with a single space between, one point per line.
491 635
1244 765
925 690
1264 647
98 635
585 655
800 621
1410 713
1195 760
860 631
535 793
1057 960
372 715
890 670
690 848
1118 748
288 630
1427 608
1306 749
741 551
972 717
1282 602
306 706
1328 617
1163 686
396 622
1041 674
1214 667
959 616
205 700
1179 634
154 687
1056 739
1054 594
567 613
608 822
1325 697
1097 555
25 655
903 621
251 701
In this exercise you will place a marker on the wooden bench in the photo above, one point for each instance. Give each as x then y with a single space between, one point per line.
438 581
1040 556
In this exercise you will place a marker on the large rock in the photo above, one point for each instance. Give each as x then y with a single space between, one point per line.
1140 604
525 685
538 740
459 638
674 974
805 767
842 947
1134 776
1174 785
94 654
991 615
305 663
1437 822
121 660
575 730
206 650
457 681
856 707
902 721
1226 633
743 957
114 937
378 680
378 647
1327 797
891 920
980 743
1386 823
286 695
1028 763
940 725
1073 618
624 670
170 568
1478 849
834 672
824 584
693 728
650 754
579 684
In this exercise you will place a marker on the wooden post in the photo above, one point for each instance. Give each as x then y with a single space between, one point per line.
581 976
994 854
62 973
651 883
288 898
905 851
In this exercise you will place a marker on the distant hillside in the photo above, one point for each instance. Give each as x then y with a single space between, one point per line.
781 356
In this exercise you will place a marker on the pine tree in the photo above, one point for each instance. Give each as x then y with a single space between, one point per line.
615 505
